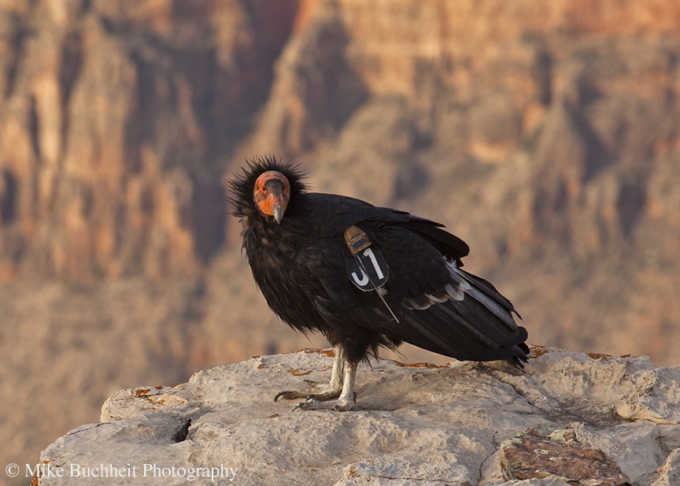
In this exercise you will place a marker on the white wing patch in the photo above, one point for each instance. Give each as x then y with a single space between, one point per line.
455 290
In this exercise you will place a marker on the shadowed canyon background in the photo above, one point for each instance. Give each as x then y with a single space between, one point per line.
544 133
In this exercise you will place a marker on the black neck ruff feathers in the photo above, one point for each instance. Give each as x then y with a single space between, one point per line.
240 187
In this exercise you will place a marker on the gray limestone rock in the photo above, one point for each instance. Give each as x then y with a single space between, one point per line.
597 419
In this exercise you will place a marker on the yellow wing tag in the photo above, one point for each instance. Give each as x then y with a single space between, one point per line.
356 239
367 269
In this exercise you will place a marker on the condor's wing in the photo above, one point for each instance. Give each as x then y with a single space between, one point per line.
438 305
333 214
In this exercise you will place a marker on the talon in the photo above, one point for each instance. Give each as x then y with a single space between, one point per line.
322 397
289 395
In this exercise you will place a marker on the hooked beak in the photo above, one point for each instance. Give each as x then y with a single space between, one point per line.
276 200
277 212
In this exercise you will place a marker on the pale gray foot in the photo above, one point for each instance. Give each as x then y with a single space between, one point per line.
347 397
331 391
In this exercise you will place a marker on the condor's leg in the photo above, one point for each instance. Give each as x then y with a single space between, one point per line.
338 367
347 400
334 386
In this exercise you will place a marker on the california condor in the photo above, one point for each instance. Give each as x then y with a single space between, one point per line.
365 277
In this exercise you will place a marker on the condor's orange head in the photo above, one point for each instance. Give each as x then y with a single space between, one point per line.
271 194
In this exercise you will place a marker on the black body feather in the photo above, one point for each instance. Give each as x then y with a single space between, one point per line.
299 266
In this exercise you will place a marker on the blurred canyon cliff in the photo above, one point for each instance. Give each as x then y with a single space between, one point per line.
544 133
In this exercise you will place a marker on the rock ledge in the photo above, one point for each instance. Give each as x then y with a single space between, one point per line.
571 418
